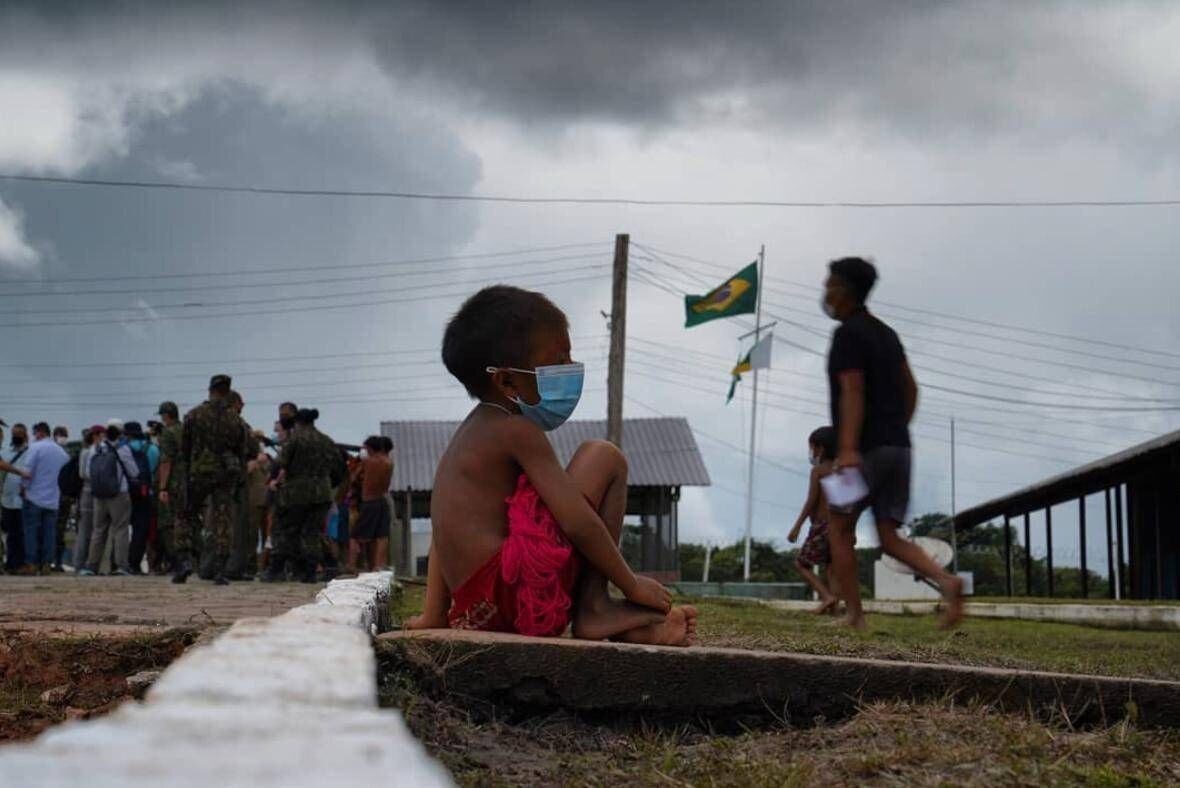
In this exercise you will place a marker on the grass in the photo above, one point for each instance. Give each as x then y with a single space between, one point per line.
1031 645
930 744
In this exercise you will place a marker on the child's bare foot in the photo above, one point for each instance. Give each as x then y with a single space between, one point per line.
952 595
678 628
424 622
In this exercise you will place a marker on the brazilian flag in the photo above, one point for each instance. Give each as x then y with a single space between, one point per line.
737 296
744 365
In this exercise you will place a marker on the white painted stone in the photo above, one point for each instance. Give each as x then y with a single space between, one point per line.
287 701
1148 617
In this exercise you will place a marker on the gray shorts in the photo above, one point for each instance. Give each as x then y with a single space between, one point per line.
887 472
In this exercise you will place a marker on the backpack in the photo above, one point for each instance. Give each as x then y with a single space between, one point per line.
105 467
143 487
69 478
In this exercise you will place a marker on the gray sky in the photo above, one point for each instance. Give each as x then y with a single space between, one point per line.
823 101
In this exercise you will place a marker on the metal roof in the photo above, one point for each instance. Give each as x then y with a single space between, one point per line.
660 452
1083 480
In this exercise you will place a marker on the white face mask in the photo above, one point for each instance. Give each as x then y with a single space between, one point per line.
62 441
364 454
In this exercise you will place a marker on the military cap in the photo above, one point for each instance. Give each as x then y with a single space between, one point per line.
217 381
168 408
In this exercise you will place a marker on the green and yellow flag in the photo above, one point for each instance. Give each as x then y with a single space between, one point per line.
742 367
737 296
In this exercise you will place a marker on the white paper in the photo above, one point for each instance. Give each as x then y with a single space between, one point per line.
845 487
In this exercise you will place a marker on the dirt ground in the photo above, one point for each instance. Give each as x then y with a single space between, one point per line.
934 744
68 645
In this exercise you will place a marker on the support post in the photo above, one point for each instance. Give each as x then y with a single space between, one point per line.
1122 587
753 421
618 342
708 555
1159 550
1027 555
954 531
1049 547
1082 546
408 536
1110 572
1007 555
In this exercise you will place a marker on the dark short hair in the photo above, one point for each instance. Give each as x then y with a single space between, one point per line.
61 432
235 398
374 443
857 273
495 328
306 416
289 406
825 438
387 443
41 426
113 432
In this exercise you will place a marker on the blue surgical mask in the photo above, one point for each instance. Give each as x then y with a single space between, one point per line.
560 387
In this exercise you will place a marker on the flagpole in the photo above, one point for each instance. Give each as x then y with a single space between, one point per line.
753 419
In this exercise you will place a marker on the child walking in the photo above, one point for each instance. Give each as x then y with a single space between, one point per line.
815 551
520 543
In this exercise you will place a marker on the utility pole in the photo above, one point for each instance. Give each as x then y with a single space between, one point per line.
954 535
618 342
708 555
753 421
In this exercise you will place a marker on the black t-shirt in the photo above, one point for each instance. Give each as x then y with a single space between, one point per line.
862 342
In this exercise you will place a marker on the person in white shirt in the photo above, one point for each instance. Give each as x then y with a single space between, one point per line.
10 501
42 466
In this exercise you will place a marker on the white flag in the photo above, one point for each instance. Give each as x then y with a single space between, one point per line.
760 353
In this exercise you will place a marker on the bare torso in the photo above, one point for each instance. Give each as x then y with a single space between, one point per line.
474 478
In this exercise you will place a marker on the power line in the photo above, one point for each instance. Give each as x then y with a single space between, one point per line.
308 297
186 288
284 311
443 197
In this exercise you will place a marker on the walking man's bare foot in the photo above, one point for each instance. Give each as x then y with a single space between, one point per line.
677 629
952 595
826 606
850 621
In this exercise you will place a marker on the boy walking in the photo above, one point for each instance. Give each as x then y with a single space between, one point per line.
816 551
873 397
521 544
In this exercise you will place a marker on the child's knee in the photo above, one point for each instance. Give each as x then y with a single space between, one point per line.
602 452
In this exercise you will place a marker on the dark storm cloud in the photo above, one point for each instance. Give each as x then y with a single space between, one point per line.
919 68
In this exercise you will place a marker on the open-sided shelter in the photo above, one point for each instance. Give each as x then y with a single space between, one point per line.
1141 490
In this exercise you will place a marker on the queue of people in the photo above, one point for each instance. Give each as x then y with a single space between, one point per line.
204 494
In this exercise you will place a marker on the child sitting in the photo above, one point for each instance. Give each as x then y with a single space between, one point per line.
815 551
519 543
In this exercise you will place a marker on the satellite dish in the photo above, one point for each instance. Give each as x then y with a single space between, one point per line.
937 549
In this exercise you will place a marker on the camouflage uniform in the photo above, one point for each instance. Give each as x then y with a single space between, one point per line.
213 449
310 459
167 513
244 560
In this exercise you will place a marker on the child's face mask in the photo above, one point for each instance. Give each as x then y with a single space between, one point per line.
560 388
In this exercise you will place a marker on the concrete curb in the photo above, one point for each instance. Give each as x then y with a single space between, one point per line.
1145 617
732 685
284 701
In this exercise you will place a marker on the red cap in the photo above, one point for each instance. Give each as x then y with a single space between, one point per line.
98 429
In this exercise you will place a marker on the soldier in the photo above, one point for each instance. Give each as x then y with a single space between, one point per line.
310 467
213 449
170 481
243 563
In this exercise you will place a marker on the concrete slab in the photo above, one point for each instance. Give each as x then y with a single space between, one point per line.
731 684
1147 617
